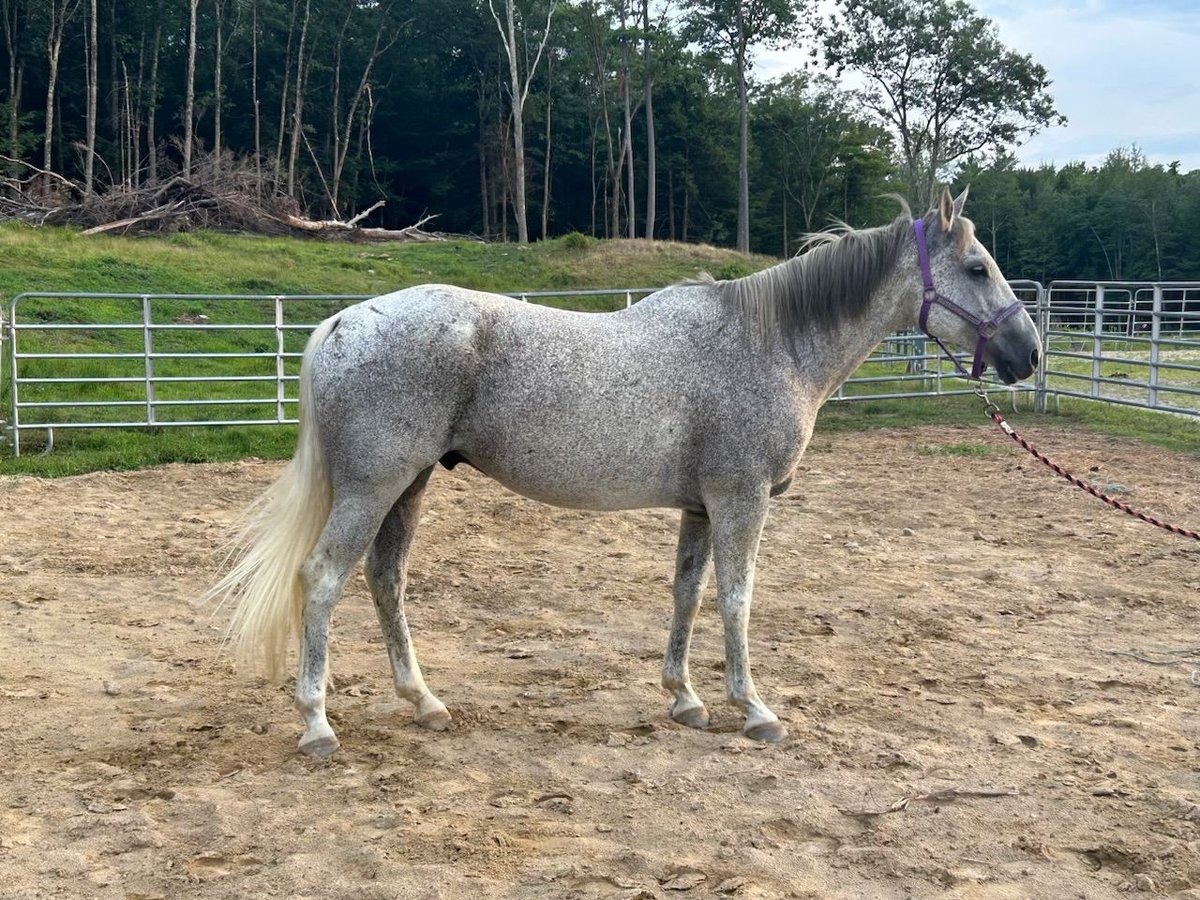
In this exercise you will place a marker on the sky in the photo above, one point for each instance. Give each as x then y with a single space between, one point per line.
1124 72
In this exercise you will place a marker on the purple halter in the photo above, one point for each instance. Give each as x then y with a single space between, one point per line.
987 328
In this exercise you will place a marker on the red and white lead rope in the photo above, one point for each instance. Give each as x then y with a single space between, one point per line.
993 413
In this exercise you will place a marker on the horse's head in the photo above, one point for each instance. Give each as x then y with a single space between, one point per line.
965 299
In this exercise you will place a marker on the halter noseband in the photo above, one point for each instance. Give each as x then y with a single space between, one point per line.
987 328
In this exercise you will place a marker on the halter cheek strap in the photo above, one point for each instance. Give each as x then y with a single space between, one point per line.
986 328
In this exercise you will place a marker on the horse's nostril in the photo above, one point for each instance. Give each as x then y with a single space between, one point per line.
1034 357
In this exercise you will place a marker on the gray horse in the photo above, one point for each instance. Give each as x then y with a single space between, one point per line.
701 397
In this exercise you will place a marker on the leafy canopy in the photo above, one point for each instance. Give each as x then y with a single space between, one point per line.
939 76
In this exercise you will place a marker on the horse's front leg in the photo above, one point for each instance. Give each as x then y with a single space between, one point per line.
736 528
691 575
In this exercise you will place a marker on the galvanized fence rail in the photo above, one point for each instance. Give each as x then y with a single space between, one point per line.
1128 343
189 360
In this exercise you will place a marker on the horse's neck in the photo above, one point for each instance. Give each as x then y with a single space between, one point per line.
828 358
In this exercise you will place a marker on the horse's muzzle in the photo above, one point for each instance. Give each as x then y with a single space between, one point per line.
1014 357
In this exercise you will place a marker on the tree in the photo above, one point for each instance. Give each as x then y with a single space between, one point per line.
939 76
626 82
651 157
518 94
218 82
13 13
730 28
93 87
59 13
189 109
303 64
386 34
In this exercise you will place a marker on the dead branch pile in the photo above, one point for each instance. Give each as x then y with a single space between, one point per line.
229 200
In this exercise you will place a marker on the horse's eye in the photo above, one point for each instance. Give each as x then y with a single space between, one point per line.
978 271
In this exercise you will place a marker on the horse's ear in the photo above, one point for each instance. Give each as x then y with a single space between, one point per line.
961 200
946 209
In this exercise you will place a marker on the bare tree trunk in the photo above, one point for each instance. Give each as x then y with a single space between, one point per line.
129 135
341 139
593 160
298 108
283 98
115 66
687 195
504 190
12 11
651 167
615 202
152 106
93 77
486 218
546 161
627 134
743 217
335 110
133 113
218 95
627 152
254 100
189 107
508 37
671 200
61 13
505 175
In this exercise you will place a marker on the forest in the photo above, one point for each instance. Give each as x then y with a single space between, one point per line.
518 120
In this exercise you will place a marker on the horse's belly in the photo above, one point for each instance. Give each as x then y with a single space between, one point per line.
585 466
601 487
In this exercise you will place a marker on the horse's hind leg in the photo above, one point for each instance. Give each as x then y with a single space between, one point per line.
353 519
387 574
691 575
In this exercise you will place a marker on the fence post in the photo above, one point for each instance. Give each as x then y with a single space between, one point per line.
1155 334
279 370
15 425
148 350
1043 326
3 354
1097 341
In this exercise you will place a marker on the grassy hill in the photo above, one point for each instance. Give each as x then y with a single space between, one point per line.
55 259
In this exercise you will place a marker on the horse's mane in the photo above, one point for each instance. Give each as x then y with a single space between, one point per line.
832 278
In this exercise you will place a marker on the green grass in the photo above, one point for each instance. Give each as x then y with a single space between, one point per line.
960 449
123 449
57 259
1174 432
63 260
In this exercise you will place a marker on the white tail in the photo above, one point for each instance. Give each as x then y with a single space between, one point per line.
276 534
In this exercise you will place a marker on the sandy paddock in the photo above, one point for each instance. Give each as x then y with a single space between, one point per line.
932 626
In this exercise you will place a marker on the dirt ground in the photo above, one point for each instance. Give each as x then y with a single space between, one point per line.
934 625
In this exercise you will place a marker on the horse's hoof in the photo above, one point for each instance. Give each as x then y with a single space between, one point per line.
434 720
770 732
692 717
319 745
